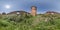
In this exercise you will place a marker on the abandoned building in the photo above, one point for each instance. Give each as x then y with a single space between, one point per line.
52 12
33 11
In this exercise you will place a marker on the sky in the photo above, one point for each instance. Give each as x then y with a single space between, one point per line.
25 5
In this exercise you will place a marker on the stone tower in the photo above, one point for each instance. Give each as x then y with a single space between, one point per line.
33 10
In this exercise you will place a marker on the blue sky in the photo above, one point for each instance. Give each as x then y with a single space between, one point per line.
42 5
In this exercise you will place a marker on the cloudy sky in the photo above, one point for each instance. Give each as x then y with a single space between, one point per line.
42 5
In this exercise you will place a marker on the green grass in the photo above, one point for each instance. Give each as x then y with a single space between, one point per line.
32 23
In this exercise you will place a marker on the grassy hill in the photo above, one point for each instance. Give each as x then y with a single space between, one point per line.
28 22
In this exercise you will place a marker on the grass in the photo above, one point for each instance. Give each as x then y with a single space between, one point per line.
32 23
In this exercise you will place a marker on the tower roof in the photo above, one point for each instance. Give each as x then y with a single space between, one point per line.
33 6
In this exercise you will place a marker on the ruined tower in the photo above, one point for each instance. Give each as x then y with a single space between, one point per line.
33 10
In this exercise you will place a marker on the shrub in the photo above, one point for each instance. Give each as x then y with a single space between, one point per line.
18 18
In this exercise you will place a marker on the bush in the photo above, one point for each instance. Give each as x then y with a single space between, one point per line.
18 18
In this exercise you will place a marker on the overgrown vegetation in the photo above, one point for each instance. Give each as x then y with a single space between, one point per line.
28 22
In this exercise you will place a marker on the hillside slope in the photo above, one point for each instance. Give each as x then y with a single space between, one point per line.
40 22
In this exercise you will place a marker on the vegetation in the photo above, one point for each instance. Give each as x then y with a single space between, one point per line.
28 22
